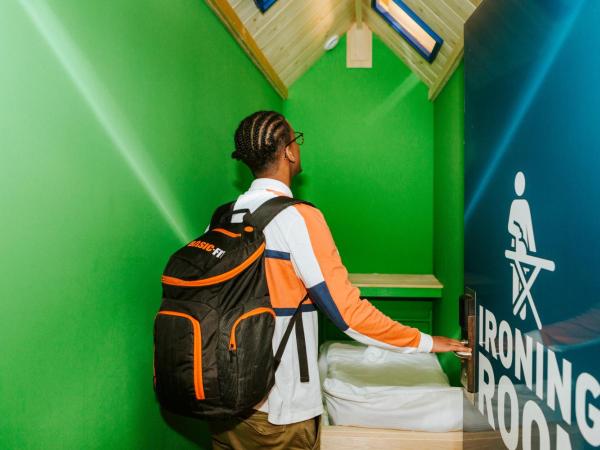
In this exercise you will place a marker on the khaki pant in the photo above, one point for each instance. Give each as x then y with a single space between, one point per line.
255 432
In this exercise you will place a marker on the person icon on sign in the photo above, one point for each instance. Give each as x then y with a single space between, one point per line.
520 228
520 225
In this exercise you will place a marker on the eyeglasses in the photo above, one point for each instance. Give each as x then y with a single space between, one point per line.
299 138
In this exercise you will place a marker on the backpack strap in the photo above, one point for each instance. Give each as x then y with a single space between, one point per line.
301 345
220 212
225 212
296 321
260 219
269 209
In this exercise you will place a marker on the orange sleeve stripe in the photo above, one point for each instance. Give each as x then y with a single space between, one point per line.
285 288
360 315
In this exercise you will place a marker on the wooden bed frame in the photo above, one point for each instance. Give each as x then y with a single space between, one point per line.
356 438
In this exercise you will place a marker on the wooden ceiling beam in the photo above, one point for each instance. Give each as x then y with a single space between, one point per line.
451 65
310 51
229 17
358 9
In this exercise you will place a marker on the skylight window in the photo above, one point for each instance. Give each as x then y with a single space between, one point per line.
410 26
263 5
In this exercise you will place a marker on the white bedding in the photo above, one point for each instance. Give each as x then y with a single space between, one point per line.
372 387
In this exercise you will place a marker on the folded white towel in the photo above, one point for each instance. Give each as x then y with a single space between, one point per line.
384 389
373 355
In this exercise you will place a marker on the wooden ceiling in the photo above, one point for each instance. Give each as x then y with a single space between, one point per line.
288 39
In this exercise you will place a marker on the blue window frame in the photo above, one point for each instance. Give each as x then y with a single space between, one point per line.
263 5
410 26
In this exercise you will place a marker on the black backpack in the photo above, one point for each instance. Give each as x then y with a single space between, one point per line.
213 353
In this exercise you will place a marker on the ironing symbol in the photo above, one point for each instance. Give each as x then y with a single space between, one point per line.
525 266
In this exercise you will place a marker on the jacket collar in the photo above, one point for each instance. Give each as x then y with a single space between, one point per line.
270 184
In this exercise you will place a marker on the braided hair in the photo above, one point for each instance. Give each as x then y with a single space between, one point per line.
258 137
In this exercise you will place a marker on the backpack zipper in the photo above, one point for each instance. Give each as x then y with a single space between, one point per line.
217 278
253 312
227 232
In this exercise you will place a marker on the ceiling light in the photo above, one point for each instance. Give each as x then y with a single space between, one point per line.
331 42
410 27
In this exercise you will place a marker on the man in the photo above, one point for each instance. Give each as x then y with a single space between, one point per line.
301 257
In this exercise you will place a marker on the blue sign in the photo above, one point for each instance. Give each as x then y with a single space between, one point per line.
532 218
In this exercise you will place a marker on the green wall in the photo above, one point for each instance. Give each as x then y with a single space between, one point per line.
368 159
117 122
448 236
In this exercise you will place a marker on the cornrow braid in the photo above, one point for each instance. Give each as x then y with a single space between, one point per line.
258 137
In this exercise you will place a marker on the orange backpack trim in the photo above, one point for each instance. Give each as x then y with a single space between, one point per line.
198 385
217 278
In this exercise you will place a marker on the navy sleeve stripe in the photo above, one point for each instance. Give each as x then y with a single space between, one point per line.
277 254
290 311
321 296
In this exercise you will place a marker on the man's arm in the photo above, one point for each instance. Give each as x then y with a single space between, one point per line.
318 263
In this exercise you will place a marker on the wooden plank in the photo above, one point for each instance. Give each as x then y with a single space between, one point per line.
399 293
233 23
446 13
306 59
482 440
395 280
356 438
285 18
438 18
443 78
298 67
476 3
258 21
310 37
246 9
298 31
358 13
359 46
312 52
454 59
463 8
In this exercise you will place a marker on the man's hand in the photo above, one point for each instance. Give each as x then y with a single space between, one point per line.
446 344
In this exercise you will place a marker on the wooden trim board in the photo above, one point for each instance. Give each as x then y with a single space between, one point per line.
443 78
389 280
359 47
236 27
356 438
396 285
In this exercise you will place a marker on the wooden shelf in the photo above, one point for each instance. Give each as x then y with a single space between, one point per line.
396 285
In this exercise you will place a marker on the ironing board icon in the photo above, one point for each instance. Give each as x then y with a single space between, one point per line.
526 267
535 263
